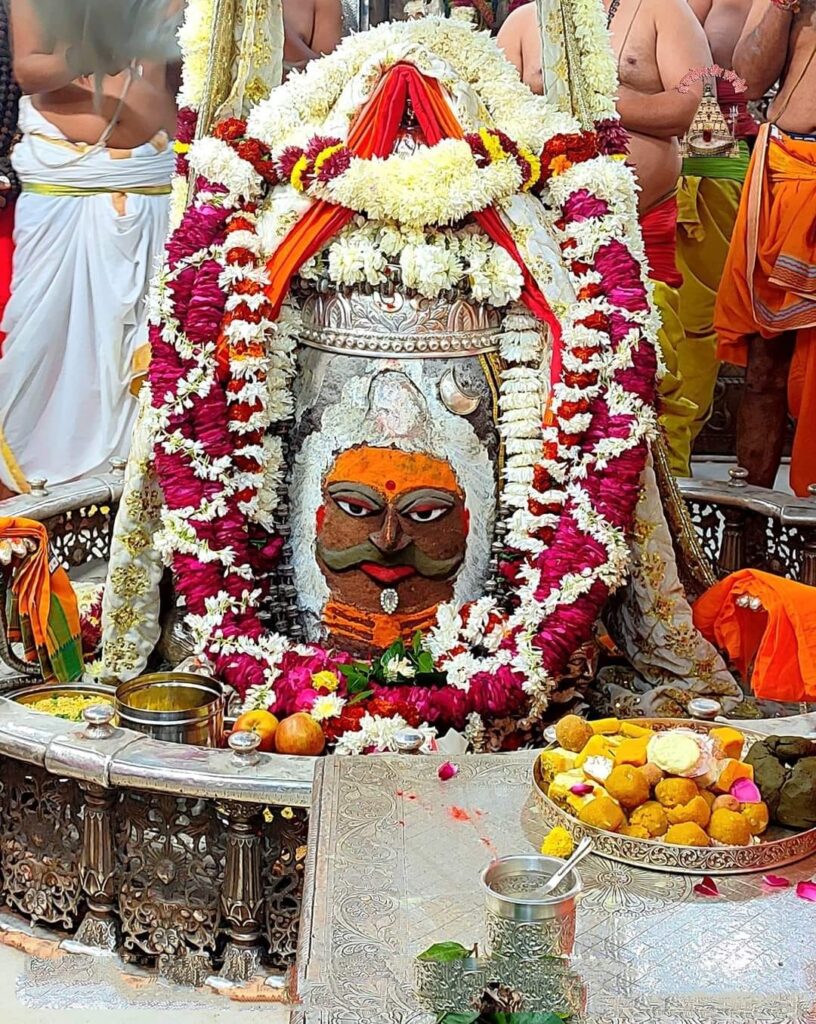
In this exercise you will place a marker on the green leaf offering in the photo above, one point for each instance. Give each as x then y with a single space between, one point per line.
445 953
459 1018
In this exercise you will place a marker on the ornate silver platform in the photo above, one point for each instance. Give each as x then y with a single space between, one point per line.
393 866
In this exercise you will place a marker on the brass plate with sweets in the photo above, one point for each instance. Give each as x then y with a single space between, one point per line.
776 848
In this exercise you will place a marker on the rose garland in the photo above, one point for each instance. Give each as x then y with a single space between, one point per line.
573 489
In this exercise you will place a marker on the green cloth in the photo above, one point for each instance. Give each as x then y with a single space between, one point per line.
733 167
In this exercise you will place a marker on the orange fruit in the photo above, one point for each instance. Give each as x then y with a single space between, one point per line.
261 722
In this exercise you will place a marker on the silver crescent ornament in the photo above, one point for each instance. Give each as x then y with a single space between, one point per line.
456 399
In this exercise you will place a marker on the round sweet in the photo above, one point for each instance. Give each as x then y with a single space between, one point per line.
687 834
652 774
635 832
675 752
671 792
652 817
757 817
695 810
725 803
628 786
729 828
602 813
559 843
573 733
709 797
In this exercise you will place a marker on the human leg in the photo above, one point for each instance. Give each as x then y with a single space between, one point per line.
763 411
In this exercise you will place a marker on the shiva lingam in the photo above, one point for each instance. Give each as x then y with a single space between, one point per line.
394 474
709 133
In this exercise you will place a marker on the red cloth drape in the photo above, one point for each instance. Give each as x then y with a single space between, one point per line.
659 228
6 259
374 134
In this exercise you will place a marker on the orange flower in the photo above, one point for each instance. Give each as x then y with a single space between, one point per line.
559 164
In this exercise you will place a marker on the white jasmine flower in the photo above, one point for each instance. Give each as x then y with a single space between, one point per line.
327 706
398 668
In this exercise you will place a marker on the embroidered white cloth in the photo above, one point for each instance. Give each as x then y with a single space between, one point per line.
82 266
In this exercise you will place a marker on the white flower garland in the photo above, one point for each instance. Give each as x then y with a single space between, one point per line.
194 38
482 83
430 262
397 188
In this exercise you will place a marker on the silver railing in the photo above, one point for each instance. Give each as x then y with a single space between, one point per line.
740 525
185 858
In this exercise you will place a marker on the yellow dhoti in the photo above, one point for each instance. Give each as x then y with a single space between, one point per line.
708 200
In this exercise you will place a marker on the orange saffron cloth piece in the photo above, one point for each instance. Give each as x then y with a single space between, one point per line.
46 605
768 285
779 639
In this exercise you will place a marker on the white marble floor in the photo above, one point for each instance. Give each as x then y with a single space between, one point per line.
42 984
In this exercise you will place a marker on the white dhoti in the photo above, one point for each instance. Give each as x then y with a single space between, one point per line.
87 237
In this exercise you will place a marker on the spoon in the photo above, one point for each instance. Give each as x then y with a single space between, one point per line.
582 850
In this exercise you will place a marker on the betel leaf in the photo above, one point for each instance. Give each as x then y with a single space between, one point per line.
445 953
358 697
425 662
468 1017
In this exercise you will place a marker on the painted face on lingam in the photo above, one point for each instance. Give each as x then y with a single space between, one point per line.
392 530
392 502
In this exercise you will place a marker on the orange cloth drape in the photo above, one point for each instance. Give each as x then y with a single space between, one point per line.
779 640
6 259
373 135
768 285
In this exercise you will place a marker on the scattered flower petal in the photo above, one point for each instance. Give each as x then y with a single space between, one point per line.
447 771
776 881
582 788
806 891
746 791
708 887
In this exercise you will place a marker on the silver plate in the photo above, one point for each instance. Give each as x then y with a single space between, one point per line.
778 848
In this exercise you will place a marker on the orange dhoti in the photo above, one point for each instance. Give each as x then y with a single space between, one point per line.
768 285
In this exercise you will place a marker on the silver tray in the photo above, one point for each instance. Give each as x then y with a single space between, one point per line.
778 847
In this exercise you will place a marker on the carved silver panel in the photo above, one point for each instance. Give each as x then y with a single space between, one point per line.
394 864
40 844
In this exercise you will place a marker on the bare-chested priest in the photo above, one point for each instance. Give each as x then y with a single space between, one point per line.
312 28
658 44
89 227
766 308
708 198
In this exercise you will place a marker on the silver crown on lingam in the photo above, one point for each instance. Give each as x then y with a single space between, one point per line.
393 322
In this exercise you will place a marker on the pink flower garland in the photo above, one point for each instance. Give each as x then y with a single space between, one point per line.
196 271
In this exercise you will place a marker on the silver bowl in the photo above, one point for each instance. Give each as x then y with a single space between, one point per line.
177 707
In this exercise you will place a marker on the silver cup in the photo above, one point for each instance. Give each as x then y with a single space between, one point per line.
523 924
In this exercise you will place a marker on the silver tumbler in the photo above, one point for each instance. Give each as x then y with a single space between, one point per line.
523 923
